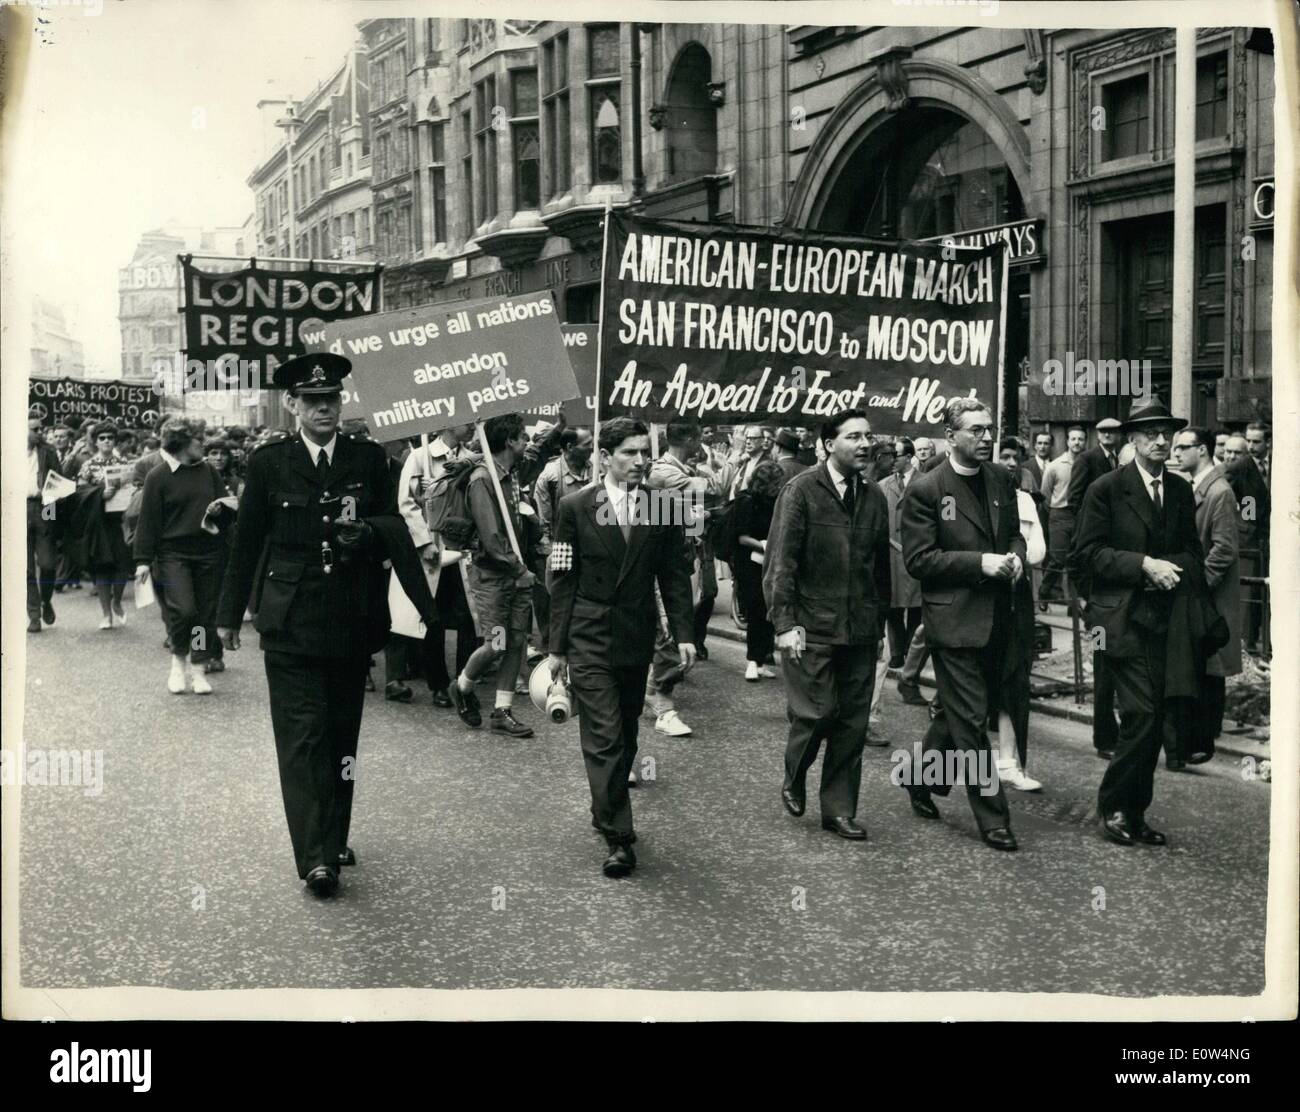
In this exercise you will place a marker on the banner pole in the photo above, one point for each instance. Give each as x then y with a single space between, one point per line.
600 339
1002 342
496 485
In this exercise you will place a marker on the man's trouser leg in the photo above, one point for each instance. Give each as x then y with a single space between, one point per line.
917 653
42 560
708 592
1062 528
1105 731
609 705
316 706
854 669
1139 690
963 691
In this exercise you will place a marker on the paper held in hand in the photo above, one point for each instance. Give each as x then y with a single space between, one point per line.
56 487
144 592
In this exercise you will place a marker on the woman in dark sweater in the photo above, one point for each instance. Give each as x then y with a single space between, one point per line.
753 518
183 557
104 470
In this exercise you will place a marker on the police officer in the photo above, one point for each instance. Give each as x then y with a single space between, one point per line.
317 519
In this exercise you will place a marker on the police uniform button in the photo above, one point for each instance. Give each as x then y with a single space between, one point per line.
326 519
286 505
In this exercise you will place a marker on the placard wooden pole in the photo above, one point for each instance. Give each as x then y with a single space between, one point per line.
496 485
600 348
1002 346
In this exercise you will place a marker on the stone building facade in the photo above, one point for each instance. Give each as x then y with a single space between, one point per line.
506 139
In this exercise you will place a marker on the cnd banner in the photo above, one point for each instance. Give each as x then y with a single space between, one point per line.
131 404
241 324
733 324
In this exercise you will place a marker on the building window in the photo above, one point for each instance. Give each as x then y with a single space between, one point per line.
1212 97
363 227
485 148
604 119
403 245
162 336
438 182
325 238
379 81
467 174
606 136
525 142
602 51
432 39
555 114
383 150
1128 116
314 238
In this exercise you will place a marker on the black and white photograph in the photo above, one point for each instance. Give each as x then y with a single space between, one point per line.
652 512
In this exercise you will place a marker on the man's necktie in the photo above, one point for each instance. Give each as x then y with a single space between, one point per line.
626 523
323 466
850 494
1155 497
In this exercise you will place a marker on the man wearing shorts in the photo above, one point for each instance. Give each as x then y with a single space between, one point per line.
500 585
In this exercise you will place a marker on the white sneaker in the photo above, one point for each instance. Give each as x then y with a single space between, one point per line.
176 678
670 723
1009 773
751 672
199 683
105 623
119 613
767 672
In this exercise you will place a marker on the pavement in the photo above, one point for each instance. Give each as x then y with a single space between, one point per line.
479 869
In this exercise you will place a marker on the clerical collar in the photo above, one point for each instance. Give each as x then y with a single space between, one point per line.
962 469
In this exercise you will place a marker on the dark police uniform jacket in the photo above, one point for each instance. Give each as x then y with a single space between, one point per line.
277 570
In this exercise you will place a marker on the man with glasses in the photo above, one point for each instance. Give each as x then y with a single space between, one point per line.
1135 551
962 540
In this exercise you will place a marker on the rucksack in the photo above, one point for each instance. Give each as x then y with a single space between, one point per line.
446 505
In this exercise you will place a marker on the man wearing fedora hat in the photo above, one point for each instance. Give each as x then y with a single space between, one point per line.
1136 550
316 521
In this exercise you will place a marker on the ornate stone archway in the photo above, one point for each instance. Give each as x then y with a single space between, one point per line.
901 81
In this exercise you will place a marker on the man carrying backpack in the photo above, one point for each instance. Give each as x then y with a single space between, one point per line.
501 586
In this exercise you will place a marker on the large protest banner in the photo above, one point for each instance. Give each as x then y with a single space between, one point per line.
580 343
263 317
130 404
736 324
420 370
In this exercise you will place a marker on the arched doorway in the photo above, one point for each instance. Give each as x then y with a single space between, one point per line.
923 172
690 119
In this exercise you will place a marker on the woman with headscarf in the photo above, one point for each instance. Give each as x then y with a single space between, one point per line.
112 569
753 519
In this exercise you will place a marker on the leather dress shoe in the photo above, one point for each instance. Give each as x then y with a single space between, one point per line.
347 857
441 698
1200 758
1144 834
845 828
1000 837
911 695
398 692
794 801
466 704
875 741
33 625
701 653
620 862
1173 764
503 721
212 666
922 803
1116 827
323 880
47 612
1106 754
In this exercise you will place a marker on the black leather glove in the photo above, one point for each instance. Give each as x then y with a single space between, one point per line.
352 539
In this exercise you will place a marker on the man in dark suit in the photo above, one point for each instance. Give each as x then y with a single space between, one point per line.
1087 469
317 519
608 552
42 556
826 584
1136 549
1254 512
962 540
